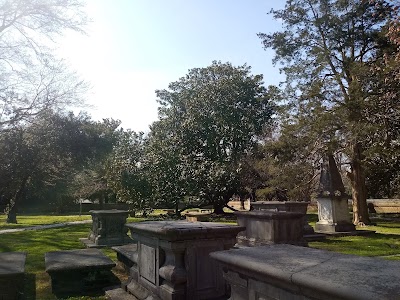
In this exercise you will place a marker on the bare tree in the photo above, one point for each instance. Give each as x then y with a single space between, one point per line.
32 79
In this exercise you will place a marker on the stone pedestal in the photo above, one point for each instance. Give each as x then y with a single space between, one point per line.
12 271
173 259
270 227
108 229
333 215
292 206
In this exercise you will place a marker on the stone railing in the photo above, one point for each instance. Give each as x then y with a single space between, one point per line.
297 273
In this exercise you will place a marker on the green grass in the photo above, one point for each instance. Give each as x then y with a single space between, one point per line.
34 220
385 242
36 243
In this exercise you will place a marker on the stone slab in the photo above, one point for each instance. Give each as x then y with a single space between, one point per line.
12 272
79 272
314 273
12 263
119 294
83 259
109 212
183 230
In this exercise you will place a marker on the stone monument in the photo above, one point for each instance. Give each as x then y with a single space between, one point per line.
108 229
291 206
333 211
266 227
12 272
172 260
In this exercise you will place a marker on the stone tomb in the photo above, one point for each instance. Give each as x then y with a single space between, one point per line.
12 271
267 227
292 206
79 272
299 273
108 229
173 258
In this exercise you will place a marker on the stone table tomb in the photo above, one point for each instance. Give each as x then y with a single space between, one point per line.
79 272
265 227
12 271
108 229
173 258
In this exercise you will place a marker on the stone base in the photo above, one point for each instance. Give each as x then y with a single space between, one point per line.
328 228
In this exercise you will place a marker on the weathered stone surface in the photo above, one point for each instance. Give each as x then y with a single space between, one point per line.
79 271
12 269
108 229
127 255
333 212
119 294
290 272
173 258
270 227
182 230
292 206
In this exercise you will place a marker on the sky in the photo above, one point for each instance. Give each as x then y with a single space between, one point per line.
134 47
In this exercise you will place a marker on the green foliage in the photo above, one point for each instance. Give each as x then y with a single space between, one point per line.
126 173
209 120
327 50
43 157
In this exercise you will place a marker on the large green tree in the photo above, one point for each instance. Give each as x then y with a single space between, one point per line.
211 119
45 156
326 49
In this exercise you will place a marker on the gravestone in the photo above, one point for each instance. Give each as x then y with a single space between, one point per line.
292 206
333 211
108 229
12 271
264 227
79 272
173 262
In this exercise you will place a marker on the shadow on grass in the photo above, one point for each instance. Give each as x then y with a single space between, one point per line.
29 286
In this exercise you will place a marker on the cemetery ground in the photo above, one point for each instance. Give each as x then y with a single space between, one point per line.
385 242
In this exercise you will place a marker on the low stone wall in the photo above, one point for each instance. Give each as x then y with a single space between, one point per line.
298 273
384 206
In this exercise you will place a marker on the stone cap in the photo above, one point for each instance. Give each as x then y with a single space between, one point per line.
269 214
108 212
299 203
183 230
76 260
12 263
316 273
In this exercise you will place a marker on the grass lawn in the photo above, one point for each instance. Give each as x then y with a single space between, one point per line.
385 242
34 220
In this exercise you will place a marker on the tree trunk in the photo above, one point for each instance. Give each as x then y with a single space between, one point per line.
12 214
12 209
358 188
218 207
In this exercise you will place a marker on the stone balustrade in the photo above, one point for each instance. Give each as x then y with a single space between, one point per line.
298 273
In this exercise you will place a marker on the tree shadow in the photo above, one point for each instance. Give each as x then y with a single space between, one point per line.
29 290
